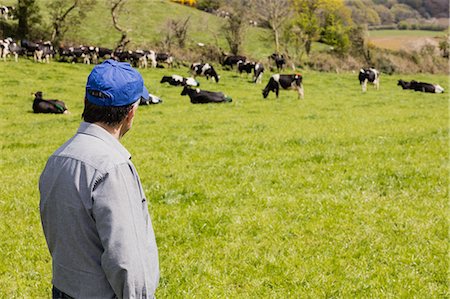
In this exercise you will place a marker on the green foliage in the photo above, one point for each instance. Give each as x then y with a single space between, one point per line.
341 194
29 20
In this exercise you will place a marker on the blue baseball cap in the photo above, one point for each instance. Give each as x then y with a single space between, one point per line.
116 84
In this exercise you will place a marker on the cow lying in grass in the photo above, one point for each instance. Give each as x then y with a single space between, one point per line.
198 96
152 99
41 105
177 80
286 82
421 86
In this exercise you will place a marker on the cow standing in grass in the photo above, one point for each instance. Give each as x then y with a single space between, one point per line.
370 75
286 82
204 69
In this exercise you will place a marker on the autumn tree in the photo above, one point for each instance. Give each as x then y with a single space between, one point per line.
67 14
274 13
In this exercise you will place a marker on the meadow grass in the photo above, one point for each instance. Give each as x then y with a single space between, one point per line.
339 195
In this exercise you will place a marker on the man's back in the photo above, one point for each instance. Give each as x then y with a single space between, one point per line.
95 219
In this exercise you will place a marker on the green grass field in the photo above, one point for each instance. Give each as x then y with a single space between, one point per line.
339 195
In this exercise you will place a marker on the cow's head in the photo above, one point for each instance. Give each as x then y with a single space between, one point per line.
185 90
38 95
265 92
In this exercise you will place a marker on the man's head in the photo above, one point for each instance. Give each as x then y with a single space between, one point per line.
113 91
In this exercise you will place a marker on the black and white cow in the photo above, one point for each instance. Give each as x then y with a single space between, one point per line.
152 100
231 60
294 81
104 53
41 105
258 72
280 60
198 96
44 52
370 75
164 58
29 47
177 80
244 66
204 69
421 86
7 12
9 47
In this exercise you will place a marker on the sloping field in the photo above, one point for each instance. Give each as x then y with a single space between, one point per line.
409 40
340 195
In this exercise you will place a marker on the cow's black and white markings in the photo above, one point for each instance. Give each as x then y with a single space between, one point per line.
204 69
198 96
230 61
258 72
279 59
421 86
177 80
294 81
370 75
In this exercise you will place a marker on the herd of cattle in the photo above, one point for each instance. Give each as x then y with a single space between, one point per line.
44 52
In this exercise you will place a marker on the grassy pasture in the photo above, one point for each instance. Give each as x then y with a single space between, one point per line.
340 195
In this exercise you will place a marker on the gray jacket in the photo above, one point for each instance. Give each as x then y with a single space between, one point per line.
95 219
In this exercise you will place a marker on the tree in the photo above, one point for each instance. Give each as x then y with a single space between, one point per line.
275 13
66 14
316 17
307 20
116 8
236 24
28 15
175 30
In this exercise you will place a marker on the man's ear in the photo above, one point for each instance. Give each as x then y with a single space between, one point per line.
132 112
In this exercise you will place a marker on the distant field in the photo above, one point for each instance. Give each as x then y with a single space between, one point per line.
404 39
339 195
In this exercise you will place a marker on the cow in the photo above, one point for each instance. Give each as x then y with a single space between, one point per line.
421 86
164 58
41 105
207 70
104 52
7 12
258 72
279 60
231 60
370 75
44 52
8 47
177 80
244 66
198 96
152 99
151 56
29 47
294 81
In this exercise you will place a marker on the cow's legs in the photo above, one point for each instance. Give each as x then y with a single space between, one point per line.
300 91
364 85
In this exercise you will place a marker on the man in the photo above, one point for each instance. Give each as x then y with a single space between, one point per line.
93 208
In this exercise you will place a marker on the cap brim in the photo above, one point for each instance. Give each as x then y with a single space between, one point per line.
145 93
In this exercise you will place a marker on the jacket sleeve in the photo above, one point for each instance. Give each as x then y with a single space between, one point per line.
122 224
